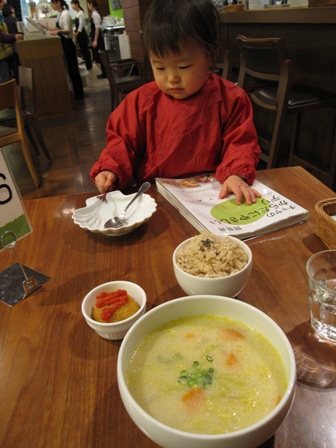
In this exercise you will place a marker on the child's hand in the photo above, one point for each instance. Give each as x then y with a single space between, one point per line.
237 186
104 181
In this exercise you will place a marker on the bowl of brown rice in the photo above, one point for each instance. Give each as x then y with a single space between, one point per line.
211 264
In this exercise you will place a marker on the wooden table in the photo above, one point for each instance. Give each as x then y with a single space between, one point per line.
58 383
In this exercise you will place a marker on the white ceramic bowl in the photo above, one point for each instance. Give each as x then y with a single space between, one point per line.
93 216
114 330
228 286
168 437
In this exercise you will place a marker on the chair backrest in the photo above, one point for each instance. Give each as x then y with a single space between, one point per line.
124 84
265 59
26 77
105 61
223 66
108 70
7 94
27 91
9 97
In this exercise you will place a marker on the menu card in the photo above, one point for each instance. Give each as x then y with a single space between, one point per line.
196 198
13 217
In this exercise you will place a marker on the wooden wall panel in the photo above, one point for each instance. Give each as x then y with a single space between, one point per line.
310 39
309 35
104 7
134 12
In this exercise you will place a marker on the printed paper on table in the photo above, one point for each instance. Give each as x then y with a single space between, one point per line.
13 216
196 198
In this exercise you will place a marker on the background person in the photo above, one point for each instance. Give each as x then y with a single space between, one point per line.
64 30
96 34
11 21
80 33
189 120
5 47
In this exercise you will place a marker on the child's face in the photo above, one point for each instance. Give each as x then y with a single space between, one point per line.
181 75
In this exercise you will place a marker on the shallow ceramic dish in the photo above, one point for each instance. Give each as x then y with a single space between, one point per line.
97 212
167 437
229 286
114 330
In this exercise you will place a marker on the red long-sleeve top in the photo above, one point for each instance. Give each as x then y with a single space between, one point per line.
151 134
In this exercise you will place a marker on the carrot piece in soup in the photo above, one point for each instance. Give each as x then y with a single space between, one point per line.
194 397
231 360
190 335
231 335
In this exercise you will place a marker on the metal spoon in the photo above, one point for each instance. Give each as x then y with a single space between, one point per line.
119 221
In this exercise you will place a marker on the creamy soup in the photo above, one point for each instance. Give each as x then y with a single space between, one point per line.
207 375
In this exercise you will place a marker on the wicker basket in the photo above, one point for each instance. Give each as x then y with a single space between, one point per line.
325 224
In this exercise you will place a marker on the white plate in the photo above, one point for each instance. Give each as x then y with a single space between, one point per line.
97 212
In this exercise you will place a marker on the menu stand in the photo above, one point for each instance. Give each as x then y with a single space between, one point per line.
18 281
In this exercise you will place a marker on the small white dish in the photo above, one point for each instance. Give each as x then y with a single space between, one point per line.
114 330
97 212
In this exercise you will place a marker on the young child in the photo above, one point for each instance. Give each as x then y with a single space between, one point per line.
188 121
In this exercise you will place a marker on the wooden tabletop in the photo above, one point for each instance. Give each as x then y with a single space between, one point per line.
58 383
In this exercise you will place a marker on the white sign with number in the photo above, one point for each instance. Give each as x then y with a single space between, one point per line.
13 216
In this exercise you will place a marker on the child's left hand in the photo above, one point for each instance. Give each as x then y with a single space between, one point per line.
236 185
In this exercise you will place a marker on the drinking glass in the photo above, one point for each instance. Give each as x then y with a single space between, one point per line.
321 269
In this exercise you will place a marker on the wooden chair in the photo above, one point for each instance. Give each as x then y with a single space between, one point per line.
9 98
28 111
120 85
223 66
266 59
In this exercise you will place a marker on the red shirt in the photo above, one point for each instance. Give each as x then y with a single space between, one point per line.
151 134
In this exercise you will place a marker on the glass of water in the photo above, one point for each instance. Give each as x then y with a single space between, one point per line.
321 269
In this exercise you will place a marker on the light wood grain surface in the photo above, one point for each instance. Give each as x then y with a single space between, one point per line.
58 383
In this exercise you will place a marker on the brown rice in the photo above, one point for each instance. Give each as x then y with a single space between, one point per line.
209 256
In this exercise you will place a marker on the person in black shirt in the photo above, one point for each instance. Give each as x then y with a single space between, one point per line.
80 34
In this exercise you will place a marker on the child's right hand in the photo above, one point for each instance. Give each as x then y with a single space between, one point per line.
105 180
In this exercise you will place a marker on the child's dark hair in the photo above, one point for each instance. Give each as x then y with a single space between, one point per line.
169 24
